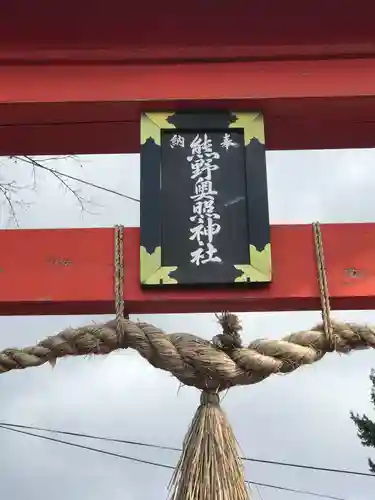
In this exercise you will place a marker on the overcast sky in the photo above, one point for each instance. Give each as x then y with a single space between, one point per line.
301 417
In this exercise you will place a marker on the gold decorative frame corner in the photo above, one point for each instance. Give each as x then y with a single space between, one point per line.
252 124
259 269
151 125
152 272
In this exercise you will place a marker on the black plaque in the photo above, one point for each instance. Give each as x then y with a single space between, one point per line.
204 208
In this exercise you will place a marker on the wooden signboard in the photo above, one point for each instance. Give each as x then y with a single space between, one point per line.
204 204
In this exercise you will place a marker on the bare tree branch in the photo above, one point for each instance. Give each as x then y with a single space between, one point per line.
78 179
6 191
10 189
13 199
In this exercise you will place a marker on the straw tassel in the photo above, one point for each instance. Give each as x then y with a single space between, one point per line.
210 467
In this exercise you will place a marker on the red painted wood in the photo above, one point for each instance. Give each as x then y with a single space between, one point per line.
215 81
314 105
314 127
158 26
70 271
183 54
72 138
57 271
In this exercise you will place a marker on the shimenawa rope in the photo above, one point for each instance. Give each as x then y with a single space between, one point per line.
192 360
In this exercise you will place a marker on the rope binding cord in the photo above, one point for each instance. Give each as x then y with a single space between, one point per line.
209 467
119 277
323 286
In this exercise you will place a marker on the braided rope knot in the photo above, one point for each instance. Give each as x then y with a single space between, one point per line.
192 360
230 338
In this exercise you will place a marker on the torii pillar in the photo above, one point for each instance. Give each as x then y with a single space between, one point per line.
75 81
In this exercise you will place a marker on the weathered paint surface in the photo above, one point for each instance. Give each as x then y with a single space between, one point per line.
29 284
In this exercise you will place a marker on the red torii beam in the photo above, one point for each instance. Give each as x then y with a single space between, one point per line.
70 271
312 74
59 109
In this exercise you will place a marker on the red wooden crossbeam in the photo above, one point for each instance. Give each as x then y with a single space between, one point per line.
111 31
95 108
70 271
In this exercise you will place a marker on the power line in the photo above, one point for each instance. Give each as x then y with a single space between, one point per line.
90 436
90 448
165 466
35 163
171 448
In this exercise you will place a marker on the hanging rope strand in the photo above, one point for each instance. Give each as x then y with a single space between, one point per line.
119 278
323 286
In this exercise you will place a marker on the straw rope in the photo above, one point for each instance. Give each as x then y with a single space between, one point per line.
193 360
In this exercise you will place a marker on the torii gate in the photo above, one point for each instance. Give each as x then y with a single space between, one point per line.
76 84
81 90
